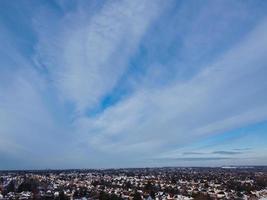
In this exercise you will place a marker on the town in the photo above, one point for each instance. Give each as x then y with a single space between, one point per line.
170 183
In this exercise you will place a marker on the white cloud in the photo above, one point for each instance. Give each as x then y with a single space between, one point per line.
227 94
83 52
86 55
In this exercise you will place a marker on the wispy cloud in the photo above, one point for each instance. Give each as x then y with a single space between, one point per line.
242 149
193 153
194 159
227 152
151 113
86 59
186 79
222 152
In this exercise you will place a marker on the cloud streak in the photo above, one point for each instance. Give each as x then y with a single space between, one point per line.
87 59
195 159
149 113
180 80
227 152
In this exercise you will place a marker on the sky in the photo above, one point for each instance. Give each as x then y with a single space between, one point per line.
143 83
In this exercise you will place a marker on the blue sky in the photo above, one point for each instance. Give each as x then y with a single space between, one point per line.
100 84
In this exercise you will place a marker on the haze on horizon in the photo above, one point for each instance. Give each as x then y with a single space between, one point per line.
102 84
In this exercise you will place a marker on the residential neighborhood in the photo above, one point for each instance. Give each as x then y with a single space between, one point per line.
248 183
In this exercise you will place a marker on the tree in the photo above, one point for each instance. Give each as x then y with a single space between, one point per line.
152 195
10 187
137 196
62 195
30 185
148 186
114 197
103 196
201 196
